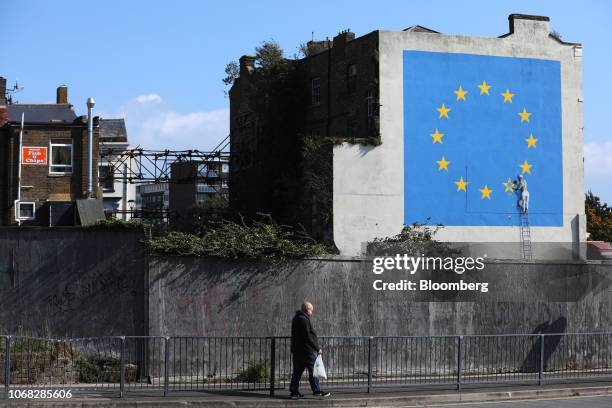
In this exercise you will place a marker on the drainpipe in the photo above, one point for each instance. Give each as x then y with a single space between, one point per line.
17 212
90 105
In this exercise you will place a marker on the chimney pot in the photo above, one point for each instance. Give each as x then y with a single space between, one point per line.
62 94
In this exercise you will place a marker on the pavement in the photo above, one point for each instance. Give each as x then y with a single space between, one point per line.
592 395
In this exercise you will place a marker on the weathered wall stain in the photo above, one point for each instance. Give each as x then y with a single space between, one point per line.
71 282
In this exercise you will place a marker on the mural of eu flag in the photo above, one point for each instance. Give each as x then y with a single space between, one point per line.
472 124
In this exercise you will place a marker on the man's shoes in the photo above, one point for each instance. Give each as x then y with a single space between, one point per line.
322 394
297 396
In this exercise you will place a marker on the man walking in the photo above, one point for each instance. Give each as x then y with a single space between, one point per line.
305 349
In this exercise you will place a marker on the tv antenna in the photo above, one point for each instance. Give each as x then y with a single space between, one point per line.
10 92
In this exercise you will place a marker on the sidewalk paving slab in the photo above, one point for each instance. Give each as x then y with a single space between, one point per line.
386 398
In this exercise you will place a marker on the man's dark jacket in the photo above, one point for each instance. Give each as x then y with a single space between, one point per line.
304 341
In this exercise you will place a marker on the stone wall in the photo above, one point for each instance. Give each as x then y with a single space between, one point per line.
205 297
71 282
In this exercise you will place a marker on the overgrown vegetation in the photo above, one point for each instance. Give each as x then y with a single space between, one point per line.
261 240
599 218
416 239
116 224
255 373
205 216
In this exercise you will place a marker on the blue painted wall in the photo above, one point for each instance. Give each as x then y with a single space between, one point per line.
484 139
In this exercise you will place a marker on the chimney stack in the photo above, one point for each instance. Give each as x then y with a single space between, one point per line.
62 94
528 26
247 65
2 90
343 37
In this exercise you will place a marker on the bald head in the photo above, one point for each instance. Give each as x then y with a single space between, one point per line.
307 308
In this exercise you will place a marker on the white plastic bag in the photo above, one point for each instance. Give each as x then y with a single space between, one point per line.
319 369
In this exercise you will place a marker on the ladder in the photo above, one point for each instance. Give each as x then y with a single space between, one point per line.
525 235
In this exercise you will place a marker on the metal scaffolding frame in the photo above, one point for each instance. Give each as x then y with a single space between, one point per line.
143 166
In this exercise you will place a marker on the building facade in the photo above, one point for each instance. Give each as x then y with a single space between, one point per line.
435 129
119 194
193 183
42 187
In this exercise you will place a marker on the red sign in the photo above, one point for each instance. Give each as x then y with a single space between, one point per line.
34 155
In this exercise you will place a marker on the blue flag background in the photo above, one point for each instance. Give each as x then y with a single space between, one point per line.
484 139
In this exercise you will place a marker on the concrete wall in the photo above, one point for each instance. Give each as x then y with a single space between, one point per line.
71 282
206 297
369 182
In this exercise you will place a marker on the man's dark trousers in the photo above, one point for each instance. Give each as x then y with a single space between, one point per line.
300 363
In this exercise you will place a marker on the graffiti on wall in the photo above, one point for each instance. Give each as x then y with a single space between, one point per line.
472 125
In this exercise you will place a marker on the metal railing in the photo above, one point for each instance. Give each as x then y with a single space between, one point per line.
164 365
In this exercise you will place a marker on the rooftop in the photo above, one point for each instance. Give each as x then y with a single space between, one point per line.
113 131
39 113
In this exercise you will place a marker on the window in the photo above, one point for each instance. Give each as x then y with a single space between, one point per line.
351 77
316 91
107 181
61 158
371 101
225 168
27 211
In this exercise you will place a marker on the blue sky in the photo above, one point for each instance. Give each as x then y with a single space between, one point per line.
159 64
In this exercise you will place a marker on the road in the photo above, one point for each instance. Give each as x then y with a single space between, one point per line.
575 402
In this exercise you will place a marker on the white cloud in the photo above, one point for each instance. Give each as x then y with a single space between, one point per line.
149 98
598 169
153 124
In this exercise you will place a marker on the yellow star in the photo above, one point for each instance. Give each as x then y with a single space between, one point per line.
526 167
443 111
461 184
531 141
437 137
486 192
443 164
524 115
484 88
507 96
508 186
460 94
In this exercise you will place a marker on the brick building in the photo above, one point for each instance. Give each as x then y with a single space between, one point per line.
339 100
384 99
54 165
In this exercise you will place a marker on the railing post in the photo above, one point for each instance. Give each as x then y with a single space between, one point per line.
459 365
166 365
370 363
272 365
541 369
7 366
122 368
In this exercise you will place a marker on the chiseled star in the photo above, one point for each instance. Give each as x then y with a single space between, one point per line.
531 141
484 88
460 93
443 111
508 186
526 167
443 164
437 137
507 96
524 115
486 192
462 184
